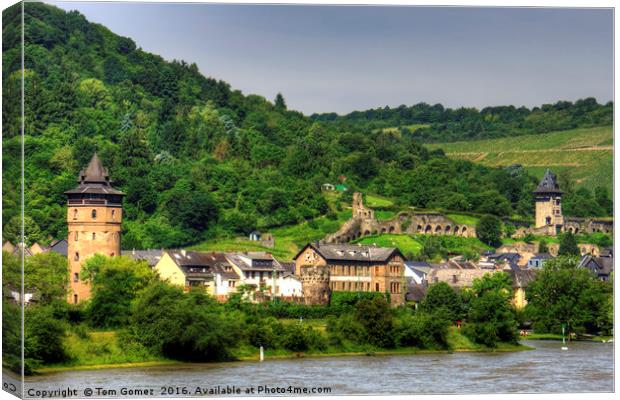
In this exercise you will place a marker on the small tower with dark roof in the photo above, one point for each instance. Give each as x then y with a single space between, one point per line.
94 216
548 198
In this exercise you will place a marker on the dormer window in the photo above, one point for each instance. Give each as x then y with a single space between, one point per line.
93 214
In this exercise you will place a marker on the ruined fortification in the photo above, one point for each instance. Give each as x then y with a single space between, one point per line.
363 223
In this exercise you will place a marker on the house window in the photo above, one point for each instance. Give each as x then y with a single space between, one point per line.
77 256
548 220
454 279
75 299
76 277
75 214
93 214
376 287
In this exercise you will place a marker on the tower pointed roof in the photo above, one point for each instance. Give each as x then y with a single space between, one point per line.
548 184
94 179
95 172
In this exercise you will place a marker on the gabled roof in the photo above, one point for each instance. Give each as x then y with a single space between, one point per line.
349 252
60 246
541 256
254 261
548 184
202 263
599 265
152 257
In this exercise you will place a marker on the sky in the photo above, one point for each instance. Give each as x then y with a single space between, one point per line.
346 58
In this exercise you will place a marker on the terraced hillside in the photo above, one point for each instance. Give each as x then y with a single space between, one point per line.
587 153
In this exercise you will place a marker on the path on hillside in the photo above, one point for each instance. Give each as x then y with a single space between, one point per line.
480 155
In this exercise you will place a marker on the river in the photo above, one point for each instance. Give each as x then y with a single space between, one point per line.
585 367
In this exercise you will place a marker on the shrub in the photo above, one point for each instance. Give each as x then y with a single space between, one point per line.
376 317
423 330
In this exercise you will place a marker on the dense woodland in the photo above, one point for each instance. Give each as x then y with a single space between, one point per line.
199 159
434 123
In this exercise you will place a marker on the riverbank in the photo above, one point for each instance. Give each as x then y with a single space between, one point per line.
554 336
101 350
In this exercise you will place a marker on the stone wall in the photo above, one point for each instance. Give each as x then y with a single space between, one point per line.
363 223
315 284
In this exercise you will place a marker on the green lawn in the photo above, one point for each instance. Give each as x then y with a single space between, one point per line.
384 215
375 201
405 243
463 219
288 239
586 153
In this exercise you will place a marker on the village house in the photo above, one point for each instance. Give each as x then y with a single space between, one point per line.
602 267
356 268
193 269
538 260
259 270
416 271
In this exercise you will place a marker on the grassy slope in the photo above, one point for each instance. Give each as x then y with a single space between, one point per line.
587 153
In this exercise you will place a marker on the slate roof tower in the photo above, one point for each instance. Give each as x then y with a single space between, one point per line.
94 216
548 198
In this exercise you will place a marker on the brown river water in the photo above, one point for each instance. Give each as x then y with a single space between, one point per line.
585 367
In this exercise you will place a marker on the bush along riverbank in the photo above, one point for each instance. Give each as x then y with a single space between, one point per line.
166 325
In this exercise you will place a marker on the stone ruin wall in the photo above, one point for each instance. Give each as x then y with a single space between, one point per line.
363 223
315 284
572 225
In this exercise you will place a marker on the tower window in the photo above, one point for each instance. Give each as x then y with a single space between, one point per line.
548 220
76 236
75 299
77 256
113 214
75 214
93 214
76 277
94 236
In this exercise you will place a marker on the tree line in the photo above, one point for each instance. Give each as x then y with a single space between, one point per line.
435 123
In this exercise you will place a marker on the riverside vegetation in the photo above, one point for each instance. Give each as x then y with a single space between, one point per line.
133 317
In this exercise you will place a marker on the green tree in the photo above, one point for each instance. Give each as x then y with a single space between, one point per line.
441 299
45 274
279 102
191 327
489 230
542 246
563 293
377 319
115 282
568 245
491 318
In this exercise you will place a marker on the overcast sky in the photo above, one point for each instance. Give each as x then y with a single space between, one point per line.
345 58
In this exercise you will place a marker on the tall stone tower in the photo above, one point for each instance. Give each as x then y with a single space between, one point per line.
548 197
94 214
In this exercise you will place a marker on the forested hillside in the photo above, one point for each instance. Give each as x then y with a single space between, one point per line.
197 158
434 123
